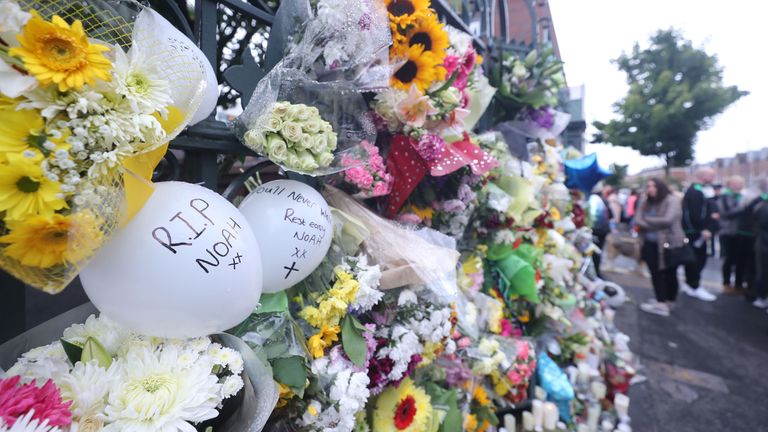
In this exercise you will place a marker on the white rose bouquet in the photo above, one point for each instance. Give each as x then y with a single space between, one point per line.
294 136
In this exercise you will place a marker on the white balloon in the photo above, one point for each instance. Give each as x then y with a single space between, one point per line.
186 265
293 225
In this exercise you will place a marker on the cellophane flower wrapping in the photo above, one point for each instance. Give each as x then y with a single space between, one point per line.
105 86
341 51
93 369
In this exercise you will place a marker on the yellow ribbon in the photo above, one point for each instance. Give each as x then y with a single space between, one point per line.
137 178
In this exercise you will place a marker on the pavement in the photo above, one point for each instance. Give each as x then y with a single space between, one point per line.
705 368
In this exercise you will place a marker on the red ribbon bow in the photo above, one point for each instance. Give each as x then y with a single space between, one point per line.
409 168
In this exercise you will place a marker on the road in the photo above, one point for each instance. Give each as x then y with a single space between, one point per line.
706 365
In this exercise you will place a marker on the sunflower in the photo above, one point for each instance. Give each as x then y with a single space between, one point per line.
55 52
428 32
25 191
403 408
420 68
402 12
46 241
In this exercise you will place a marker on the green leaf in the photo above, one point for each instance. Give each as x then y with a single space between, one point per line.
291 371
353 341
446 400
93 350
74 352
273 302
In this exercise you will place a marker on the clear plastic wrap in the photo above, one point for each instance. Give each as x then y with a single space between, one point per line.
342 51
407 257
79 145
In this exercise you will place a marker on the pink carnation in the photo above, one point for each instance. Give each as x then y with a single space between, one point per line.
15 401
522 350
429 147
506 327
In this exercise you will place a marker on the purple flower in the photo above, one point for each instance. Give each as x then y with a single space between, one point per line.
453 206
429 147
543 117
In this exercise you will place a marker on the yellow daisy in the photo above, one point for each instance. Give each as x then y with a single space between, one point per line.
480 395
470 423
8 103
402 12
58 53
46 241
428 32
25 191
323 339
419 68
19 129
405 408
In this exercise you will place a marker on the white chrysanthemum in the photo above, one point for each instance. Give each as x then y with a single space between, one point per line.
368 295
232 384
152 392
109 334
87 386
42 363
25 423
406 297
137 77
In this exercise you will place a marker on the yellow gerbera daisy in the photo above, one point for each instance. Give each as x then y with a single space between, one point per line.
420 68
46 241
8 103
402 12
428 32
25 191
55 52
323 339
405 408
22 131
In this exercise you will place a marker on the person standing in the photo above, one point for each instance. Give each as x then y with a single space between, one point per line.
758 210
631 207
730 208
714 202
658 217
699 221
602 217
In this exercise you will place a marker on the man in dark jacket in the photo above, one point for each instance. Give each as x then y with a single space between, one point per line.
699 222
732 213
759 213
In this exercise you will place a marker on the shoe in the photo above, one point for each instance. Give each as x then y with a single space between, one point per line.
688 290
760 303
704 295
729 289
656 308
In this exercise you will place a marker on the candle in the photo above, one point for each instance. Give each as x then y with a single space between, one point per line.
510 423
599 389
621 402
593 416
607 426
573 373
528 423
537 407
540 393
551 415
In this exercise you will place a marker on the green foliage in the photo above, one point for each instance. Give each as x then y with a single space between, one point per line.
353 341
675 90
619 173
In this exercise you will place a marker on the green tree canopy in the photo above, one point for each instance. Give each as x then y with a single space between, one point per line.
675 90
618 174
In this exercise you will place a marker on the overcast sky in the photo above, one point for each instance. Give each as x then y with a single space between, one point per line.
592 32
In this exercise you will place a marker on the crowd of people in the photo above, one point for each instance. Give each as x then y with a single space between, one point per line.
683 229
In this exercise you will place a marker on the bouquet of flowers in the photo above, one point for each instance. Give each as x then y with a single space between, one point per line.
100 376
83 123
527 84
368 178
296 136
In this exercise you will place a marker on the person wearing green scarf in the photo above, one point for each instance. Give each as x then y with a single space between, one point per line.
758 211
699 223
731 208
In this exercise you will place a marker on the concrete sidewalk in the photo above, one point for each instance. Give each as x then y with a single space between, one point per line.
706 365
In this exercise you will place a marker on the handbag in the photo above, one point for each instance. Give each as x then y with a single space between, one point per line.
677 256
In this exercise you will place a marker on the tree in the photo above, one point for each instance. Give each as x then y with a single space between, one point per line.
618 174
675 90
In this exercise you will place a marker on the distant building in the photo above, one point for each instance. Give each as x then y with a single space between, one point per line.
751 165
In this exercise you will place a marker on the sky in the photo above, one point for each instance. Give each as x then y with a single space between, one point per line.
592 32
